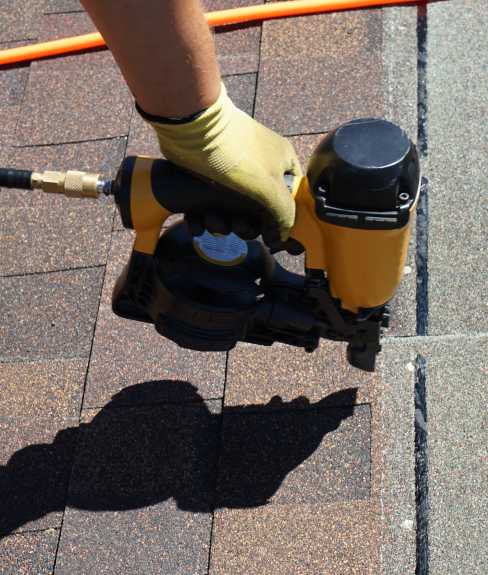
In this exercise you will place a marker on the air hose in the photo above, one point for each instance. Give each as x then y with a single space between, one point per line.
217 18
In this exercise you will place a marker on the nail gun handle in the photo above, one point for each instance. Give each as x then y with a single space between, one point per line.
148 191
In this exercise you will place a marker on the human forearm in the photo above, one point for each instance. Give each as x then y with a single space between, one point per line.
164 49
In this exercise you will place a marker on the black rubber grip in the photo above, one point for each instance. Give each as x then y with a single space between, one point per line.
20 179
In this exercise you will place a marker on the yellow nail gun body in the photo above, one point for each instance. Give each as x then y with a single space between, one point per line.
354 211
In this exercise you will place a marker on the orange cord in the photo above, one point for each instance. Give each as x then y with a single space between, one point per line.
217 18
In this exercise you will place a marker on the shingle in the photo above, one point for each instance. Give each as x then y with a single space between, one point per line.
42 387
277 454
128 352
305 146
319 71
46 239
103 156
241 90
141 492
237 46
299 539
13 79
18 20
74 98
36 456
456 378
54 26
458 148
142 140
8 121
55 6
290 372
30 554
48 315
393 474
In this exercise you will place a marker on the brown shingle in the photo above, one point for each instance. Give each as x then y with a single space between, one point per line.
48 315
237 46
47 239
56 6
284 453
319 71
19 19
36 456
55 26
13 79
299 539
255 374
74 98
42 387
29 553
8 121
141 491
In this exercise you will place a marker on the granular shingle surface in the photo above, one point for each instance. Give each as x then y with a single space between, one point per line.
30 238
35 462
54 26
55 6
8 121
237 46
19 19
319 71
42 387
314 376
141 491
313 455
13 80
30 553
305 539
61 91
49 315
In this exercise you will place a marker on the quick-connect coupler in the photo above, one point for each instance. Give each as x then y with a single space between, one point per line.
72 183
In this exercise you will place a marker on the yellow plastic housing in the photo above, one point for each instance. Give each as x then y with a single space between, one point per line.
364 267
147 214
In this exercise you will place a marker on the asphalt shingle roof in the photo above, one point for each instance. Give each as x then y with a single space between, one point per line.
120 452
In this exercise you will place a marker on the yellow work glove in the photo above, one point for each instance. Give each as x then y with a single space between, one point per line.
227 146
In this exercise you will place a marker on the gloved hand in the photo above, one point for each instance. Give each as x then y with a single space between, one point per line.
227 146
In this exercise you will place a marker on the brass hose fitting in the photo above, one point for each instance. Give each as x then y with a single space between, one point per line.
72 183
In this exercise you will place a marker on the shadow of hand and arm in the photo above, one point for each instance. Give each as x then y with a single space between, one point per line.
34 481
129 456
262 444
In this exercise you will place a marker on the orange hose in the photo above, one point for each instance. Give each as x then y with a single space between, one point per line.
291 8
217 18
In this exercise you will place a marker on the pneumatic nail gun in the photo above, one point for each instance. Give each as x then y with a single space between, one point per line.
208 291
